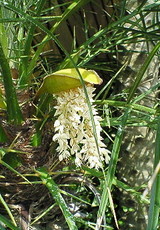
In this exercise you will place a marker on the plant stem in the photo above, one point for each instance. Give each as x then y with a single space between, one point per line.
154 207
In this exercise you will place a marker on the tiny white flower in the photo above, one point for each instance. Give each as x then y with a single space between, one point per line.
73 129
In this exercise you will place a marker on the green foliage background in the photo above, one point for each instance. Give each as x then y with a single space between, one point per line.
38 37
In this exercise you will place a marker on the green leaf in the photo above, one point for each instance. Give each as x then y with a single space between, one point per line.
7 209
154 208
142 71
67 63
3 136
13 110
12 159
36 138
73 7
27 46
8 223
2 101
15 171
3 35
109 180
55 192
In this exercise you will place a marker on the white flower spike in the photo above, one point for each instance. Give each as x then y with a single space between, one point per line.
73 129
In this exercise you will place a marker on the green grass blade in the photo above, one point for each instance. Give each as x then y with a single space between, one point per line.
55 192
41 110
111 170
3 136
27 47
74 6
3 36
7 209
8 223
13 109
142 70
43 18
111 27
43 214
2 102
154 209
135 191
15 171
122 104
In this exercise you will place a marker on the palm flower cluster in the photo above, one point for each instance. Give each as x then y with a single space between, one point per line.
74 131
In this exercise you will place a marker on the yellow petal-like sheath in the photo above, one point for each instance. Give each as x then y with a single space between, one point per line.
89 76
67 79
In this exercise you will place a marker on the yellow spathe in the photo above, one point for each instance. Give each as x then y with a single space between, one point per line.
66 79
